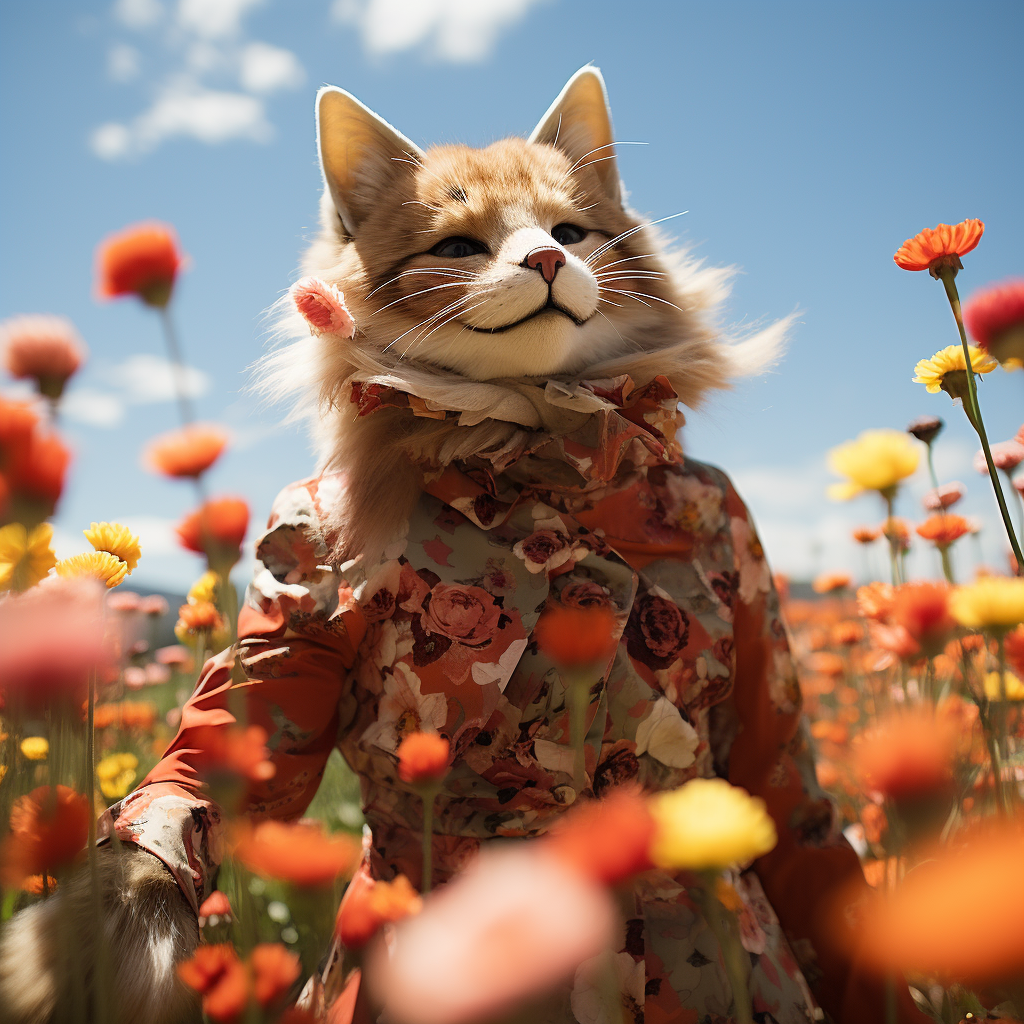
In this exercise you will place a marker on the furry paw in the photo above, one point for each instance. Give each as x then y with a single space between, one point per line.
49 953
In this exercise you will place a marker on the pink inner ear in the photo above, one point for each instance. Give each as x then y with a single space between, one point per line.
323 307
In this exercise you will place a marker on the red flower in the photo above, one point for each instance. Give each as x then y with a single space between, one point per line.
188 452
46 349
1014 647
922 609
938 247
995 318
943 529
423 758
274 970
368 905
241 751
33 460
142 260
216 905
577 637
270 849
217 530
216 973
49 827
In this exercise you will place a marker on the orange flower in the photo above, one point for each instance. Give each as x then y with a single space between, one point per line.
142 260
846 634
874 601
897 530
200 615
33 461
866 535
995 318
216 973
188 452
129 714
828 582
217 530
607 840
274 969
368 905
958 915
46 349
944 496
269 849
238 750
906 756
874 821
1013 644
577 637
938 247
922 609
943 530
423 757
215 905
48 829
34 886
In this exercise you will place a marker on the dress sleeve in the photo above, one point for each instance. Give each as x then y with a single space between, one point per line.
298 633
771 757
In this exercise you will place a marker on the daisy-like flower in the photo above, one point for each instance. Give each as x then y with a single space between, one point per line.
994 604
829 582
942 530
188 452
876 461
936 248
46 349
25 558
100 565
117 540
143 260
116 773
35 748
947 370
994 689
322 307
995 318
1006 455
944 496
926 428
866 534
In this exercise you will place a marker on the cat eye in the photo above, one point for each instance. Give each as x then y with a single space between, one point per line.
458 248
568 234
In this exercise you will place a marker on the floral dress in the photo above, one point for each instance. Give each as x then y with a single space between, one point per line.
439 636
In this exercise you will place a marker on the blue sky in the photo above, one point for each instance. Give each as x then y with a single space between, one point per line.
806 140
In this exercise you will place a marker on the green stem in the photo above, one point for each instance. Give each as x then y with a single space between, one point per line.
931 468
890 536
178 366
429 796
948 277
577 693
723 926
947 565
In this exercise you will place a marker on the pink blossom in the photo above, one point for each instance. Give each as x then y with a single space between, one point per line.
153 605
512 926
1007 456
323 307
174 656
124 601
134 677
157 674
944 496
45 348
467 615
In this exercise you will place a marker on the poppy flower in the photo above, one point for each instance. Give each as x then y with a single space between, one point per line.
423 758
25 558
33 461
944 496
369 904
188 452
877 460
995 318
874 601
48 829
215 905
322 307
199 615
939 247
829 582
143 260
866 534
577 637
269 849
922 609
216 973
46 349
1013 645
1006 455
236 749
274 970
944 529
127 714
217 530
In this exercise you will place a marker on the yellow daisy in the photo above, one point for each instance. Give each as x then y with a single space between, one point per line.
116 773
35 748
1014 687
708 824
876 461
101 565
205 588
116 539
933 372
993 603
25 558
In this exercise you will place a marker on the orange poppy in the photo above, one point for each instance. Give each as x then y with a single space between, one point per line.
922 609
188 452
896 530
274 970
828 582
938 247
269 849
241 751
34 884
874 601
866 535
369 904
1013 644
943 530
142 260
34 465
845 634
874 821
200 615
216 905
216 973
607 840
44 348
577 637
48 828
423 757
217 530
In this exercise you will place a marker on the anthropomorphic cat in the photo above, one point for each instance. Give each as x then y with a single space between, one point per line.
498 435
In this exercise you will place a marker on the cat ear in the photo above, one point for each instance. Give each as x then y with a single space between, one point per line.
359 153
580 124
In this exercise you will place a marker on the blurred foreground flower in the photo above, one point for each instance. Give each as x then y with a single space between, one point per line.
48 828
423 758
187 452
876 461
46 349
322 307
116 539
1007 456
35 748
993 604
577 637
116 773
1009 687
216 973
216 530
33 461
98 565
947 370
939 247
995 318
25 558
369 904
269 849
143 260
238 750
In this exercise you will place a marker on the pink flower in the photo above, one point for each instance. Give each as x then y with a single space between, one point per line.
1007 456
323 307
134 677
153 605
157 674
44 348
944 496
175 656
467 615
995 317
124 601
513 925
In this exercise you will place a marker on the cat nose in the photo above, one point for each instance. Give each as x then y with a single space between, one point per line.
547 260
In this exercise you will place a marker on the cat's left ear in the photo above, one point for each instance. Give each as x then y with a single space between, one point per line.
580 124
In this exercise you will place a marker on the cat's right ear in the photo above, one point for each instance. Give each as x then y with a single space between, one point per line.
360 153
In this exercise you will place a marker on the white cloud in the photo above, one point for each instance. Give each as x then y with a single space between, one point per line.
213 19
138 14
92 407
111 141
461 31
145 378
266 68
123 63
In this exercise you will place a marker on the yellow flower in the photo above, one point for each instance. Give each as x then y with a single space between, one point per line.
25 558
708 824
994 603
101 565
205 588
933 372
116 773
876 461
35 748
117 539
3 771
1014 687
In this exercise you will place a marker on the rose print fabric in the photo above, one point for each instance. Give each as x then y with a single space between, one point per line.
438 635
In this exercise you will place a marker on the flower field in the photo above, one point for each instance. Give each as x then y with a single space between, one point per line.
913 690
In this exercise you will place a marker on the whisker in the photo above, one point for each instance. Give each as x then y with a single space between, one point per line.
436 328
627 275
597 149
422 291
439 271
423 323
419 202
626 234
646 295
644 256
